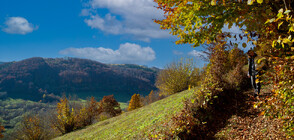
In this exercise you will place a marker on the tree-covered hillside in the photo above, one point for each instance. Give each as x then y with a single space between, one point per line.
34 77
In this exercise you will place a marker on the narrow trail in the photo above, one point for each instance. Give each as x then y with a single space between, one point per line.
232 116
249 122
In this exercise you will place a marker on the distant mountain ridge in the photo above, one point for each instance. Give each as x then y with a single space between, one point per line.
32 78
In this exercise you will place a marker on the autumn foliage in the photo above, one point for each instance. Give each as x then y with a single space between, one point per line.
65 119
178 76
32 128
135 102
88 113
69 117
267 25
109 106
1 129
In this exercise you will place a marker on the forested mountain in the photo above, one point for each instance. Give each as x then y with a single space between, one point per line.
34 77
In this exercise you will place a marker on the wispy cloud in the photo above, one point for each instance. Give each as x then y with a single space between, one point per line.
197 54
131 17
175 52
107 24
18 25
127 53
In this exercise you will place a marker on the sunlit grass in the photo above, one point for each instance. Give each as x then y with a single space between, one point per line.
131 124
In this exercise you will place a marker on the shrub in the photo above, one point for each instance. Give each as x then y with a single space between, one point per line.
32 128
65 120
110 106
135 102
87 114
177 77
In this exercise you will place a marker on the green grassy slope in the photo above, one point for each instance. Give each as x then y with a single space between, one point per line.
134 123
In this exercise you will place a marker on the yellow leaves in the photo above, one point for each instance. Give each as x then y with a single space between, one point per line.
135 102
260 1
208 41
213 2
250 2
287 11
254 42
255 106
280 24
260 60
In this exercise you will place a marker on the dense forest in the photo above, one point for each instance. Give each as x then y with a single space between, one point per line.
37 77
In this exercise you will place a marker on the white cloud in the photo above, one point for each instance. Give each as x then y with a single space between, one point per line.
175 52
108 24
198 54
18 25
127 53
132 17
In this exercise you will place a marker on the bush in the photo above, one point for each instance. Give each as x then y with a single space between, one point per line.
110 106
178 76
32 128
88 114
65 119
135 102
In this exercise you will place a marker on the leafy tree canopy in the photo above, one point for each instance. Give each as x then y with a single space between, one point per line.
200 21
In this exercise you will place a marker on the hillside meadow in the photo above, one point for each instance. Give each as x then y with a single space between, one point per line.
134 124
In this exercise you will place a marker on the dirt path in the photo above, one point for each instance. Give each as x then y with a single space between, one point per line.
250 123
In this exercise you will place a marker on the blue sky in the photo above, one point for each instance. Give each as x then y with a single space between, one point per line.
109 31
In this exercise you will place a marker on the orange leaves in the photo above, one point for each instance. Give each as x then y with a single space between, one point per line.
135 102
70 118
110 106
151 97
1 129
32 128
88 114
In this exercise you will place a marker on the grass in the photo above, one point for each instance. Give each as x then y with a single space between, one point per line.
134 123
123 106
